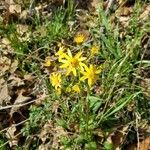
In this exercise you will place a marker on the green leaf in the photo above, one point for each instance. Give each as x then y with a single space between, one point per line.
94 102
108 146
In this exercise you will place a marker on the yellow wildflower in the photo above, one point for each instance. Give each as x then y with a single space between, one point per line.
47 62
76 88
58 91
60 53
94 50
72 63
79 38
91 74
55 79
68 89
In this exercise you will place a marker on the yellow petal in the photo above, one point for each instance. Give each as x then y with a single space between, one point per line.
68 71
90 82
76 88
74 72
82 58
64 66
69 53
78 55
83 78
47 63
86 68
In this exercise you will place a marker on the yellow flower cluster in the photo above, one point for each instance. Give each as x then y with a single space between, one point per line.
74 65
79 38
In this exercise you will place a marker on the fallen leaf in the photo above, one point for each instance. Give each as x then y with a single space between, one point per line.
124 20
29 77
14 66
118 136
10 134
5 41
145 13
145 144
146 85
20 100
22 29
4 64
23 15
46 130
10 2
4 95
15 81
14 9
95 4
123 11
40 98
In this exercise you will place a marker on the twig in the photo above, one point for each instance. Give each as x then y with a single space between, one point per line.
14 125
10 140
31 6
17 105
137 131
110 2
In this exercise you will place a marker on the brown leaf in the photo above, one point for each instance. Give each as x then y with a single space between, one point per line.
14 66
95 4
15 81
14 9
5 41
20 100
123 11
145 13
29 77
46 130
10 134
4 64
145 144
4 95
117 137
146 85
22 29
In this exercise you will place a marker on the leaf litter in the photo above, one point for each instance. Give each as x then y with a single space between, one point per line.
13 86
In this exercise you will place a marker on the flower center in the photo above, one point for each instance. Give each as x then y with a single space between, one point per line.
56 80
74 62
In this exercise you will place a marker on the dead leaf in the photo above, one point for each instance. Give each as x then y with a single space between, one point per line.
22 29
10 134
2 81
14 9
5 44
124 20
15 81
146 85
58 133
145 13
46 130
5 41
14 66
20 100
23 15
95 4
29 77
55 107
40 98
4 64
145 144
4 95
118 136
10 2
123 11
